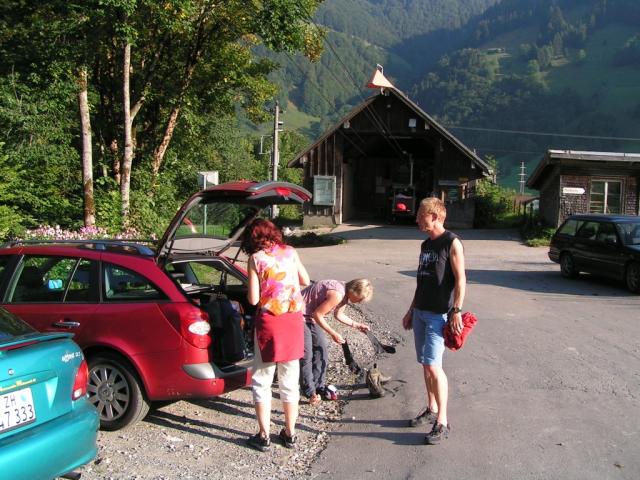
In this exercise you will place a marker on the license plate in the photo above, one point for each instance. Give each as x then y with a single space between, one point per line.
17 409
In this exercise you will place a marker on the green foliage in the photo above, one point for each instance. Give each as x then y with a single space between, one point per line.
494 206
535 234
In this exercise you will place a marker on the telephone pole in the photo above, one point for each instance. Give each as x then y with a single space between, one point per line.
275 154
521 175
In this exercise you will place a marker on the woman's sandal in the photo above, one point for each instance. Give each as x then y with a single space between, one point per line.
315 400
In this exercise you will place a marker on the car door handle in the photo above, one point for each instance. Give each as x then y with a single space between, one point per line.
66 324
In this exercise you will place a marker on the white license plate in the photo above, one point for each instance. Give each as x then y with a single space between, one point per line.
17 409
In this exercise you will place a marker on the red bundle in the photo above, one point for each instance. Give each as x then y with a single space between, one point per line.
453 341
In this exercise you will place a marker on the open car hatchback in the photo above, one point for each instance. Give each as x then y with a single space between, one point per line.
157 322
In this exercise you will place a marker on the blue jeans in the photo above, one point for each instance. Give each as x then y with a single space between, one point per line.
427 332
313 366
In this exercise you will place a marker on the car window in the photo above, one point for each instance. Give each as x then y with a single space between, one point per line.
213 219
121 284
192 273
42 279
4 261
588 231
606 233
11 326
569 227
629 233
82 287
211 274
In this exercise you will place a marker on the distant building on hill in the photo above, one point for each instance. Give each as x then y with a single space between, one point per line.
382 158
586 182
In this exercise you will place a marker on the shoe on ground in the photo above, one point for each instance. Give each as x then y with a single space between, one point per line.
330 392
372 379
425 418
438 433
259 442
315 400
287 441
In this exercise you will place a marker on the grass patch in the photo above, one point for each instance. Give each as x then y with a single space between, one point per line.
535 235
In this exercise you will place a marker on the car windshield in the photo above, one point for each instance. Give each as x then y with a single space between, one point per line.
12 327
629 232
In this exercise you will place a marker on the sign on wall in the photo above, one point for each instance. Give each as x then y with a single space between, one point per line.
324 190
572 190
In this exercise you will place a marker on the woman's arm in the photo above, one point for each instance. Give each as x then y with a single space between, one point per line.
339 315
332 299
253 293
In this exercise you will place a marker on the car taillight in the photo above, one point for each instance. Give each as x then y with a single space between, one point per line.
80 382
191 321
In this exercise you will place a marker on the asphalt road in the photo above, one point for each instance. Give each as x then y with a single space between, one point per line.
547 387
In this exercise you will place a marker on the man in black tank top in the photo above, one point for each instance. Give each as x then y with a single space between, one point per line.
437 301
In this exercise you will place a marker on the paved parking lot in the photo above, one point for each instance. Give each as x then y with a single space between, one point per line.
547 387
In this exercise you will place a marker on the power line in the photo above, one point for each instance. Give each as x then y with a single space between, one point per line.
524 132
376 120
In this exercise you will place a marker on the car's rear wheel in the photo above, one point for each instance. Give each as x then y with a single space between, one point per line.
568 266
632 277
116 392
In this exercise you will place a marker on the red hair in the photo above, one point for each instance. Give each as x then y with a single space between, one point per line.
260 235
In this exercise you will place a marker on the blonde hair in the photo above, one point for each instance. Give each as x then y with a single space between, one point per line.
360 287
433 205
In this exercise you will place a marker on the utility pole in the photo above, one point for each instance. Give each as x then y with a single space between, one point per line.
275 157
521 175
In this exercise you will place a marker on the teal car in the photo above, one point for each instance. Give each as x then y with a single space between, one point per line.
48 428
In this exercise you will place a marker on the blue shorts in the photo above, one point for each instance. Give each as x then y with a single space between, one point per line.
427 331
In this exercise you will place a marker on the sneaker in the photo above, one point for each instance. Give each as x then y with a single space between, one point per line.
437 434
426 417
330 392
287 441
259 442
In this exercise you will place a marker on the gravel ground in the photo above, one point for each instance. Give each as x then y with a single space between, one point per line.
206 438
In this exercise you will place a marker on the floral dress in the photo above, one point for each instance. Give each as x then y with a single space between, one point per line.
279 323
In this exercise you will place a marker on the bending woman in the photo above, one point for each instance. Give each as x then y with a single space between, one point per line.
322 298
275 275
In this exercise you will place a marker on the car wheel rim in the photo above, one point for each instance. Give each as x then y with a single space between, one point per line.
108 392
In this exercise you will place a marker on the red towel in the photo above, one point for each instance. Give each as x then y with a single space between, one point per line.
453 341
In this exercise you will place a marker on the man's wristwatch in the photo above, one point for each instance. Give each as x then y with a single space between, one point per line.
455 310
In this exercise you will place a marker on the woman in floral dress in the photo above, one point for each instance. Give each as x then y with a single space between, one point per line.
275 276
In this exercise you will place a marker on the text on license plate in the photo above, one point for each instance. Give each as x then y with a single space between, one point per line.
16 409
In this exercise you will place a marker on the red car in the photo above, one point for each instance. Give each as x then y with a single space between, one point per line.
156 323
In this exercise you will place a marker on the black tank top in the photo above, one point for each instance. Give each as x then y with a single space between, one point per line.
435 279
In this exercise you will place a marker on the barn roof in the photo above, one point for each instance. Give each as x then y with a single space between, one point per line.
484 167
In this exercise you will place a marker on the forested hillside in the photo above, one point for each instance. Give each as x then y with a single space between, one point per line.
406 36
569 67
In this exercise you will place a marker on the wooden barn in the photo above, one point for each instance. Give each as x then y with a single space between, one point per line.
381 159
572 181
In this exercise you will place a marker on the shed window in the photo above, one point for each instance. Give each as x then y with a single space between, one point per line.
606 196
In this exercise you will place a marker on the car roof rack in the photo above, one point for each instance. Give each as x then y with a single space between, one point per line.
135 246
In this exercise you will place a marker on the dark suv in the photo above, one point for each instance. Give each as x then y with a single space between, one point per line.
607 245
157 322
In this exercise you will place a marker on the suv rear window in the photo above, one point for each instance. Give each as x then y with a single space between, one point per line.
11 326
